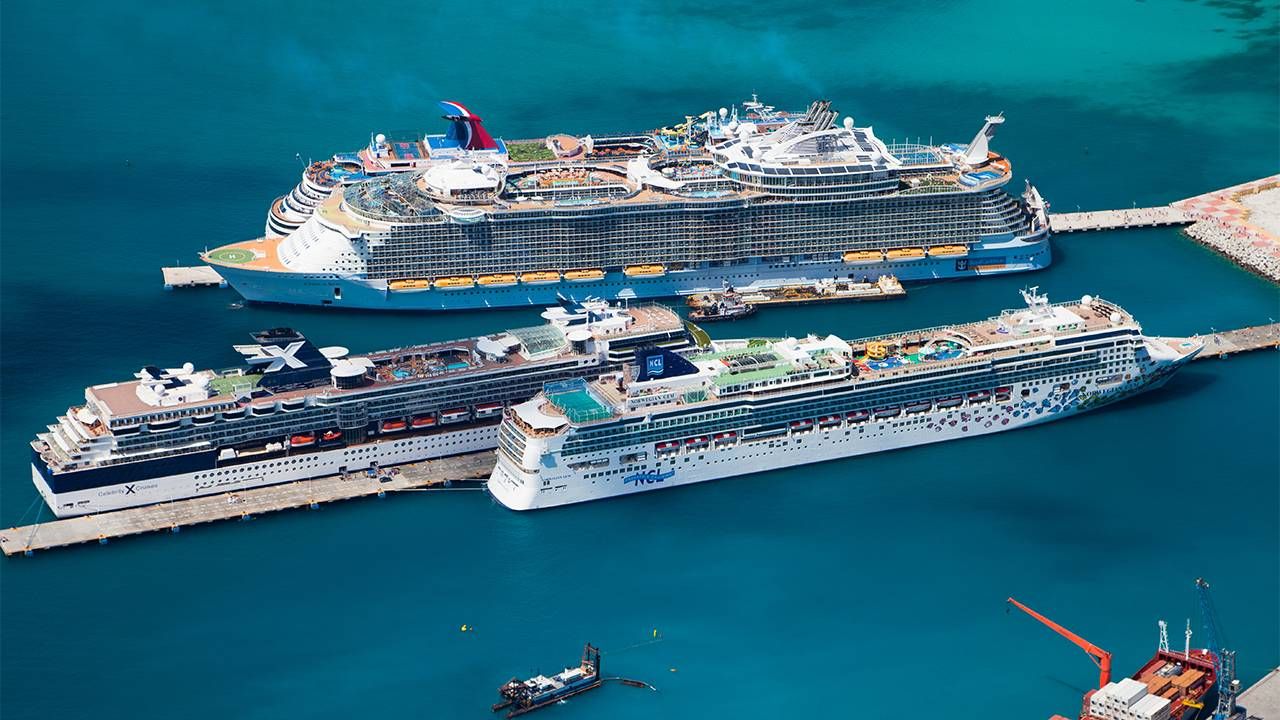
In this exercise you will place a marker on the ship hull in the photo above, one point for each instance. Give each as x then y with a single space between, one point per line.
560 486
330 290
218 477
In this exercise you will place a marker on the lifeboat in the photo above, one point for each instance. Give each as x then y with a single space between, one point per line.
801 424
540 276
497 279
330 436
584 274
669 446
203 419
829 420
455 415
905 253
921 406
454 283
888 412
644 270
856 256
725 437
409 284
390 426
857 416
488 410
979 396
1004 390
302 440
696 442
422 421
950 402
948 250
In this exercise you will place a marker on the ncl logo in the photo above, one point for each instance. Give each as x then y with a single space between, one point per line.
648 478
655 364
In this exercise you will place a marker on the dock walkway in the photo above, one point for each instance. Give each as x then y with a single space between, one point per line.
242 504
1118 219
1230 342
191 276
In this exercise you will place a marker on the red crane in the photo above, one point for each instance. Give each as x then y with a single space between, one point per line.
1100 657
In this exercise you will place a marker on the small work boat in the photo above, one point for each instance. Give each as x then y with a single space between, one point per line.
539 691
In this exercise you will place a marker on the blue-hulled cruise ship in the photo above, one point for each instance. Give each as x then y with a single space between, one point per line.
749 205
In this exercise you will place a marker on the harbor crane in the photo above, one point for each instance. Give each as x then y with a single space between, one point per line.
1100 657
1224 660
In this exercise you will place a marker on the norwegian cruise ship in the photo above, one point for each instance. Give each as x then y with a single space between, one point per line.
294 411
755 405
804 202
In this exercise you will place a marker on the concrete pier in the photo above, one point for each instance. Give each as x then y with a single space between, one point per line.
1262 699
1230 342
193 276
1118 219
241 504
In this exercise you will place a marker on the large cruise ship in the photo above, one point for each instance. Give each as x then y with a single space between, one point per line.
755 405
294 411
807 201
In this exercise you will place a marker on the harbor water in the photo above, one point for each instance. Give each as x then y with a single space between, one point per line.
135 135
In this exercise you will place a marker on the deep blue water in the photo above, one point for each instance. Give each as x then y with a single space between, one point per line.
134 135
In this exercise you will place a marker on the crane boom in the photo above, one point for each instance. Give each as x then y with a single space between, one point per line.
1100 657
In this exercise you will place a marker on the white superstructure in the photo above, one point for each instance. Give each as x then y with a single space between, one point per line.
755 405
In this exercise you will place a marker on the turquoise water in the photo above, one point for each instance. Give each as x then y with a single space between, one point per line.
134 135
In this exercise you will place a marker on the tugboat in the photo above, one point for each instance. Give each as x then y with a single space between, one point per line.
727 305
539 691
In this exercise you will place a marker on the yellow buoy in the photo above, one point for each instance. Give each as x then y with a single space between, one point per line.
655 632
464 628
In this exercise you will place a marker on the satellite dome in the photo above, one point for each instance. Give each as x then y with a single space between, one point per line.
848 123
1115 318
1086 300
380 138
724 113
188 368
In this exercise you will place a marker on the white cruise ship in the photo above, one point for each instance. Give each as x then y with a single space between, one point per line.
807 201
754 405
294 411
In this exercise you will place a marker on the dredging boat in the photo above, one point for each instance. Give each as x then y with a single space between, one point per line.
726 305
539 691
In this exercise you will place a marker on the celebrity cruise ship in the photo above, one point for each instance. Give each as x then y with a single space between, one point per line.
807 201
294 411
754 405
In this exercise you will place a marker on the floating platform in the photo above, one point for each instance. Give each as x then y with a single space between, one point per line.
886 287
191 276
244 504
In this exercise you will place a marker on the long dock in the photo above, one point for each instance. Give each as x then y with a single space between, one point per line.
1162 216
191 276
424 475
243 504
1231 342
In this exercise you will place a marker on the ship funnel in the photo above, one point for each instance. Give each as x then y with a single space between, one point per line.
979 148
